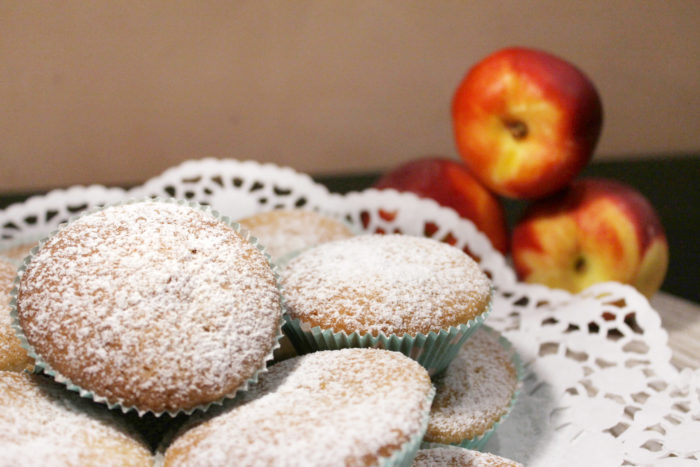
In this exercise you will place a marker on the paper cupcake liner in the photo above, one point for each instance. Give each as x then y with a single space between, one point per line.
478 442
43 366
434 351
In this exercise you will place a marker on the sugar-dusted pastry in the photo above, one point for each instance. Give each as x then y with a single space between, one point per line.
453 456
42 424
285 231
391 284
475 392
353 407
153 305
12 356
424 296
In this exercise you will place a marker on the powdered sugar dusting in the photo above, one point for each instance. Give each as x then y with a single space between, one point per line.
151 304
286 231
456 456
344 407
474 392
41 425
393 284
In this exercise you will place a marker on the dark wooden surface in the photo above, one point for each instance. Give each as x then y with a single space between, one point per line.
672 185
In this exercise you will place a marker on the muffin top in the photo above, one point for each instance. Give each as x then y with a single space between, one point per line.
340 407
153 305
391 284
12 356
474 392
285 231
16 253
445 456
42 425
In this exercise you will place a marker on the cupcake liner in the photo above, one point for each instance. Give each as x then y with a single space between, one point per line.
434 351
42 366
478 442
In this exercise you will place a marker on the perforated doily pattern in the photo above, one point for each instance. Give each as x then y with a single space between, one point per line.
599 387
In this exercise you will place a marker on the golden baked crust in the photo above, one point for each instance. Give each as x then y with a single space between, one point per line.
12 356
285 231
474 391
391 284
42 425
345 407
152 305
452 456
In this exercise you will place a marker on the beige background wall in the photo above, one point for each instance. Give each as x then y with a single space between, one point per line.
115 92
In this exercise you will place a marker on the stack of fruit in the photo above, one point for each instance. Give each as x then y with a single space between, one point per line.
526 123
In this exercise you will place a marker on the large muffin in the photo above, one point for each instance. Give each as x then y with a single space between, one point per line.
12 356
390 284
159 306
42 425
350 407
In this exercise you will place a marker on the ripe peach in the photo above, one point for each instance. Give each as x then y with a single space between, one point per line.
450 184
593 231
526 122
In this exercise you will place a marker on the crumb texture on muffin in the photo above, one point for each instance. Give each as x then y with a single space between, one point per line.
448 456
474 392
42 425
155 305
391 284
344 407
12 356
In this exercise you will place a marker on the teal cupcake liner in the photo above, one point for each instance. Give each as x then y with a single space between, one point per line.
478 442
434 351
42 366
404 456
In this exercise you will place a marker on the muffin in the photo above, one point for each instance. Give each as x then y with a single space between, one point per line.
356 407
286 231
453 456
412 294
475 393
42 425
159 306
12 356
17 252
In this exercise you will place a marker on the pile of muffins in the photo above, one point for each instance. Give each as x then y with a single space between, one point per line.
158 331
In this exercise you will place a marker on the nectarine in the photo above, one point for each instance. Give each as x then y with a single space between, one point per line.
526 122
593 231
450 184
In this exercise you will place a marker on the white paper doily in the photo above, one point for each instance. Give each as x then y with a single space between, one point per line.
599 386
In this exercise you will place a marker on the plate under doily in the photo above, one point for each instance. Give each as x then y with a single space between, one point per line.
599 388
